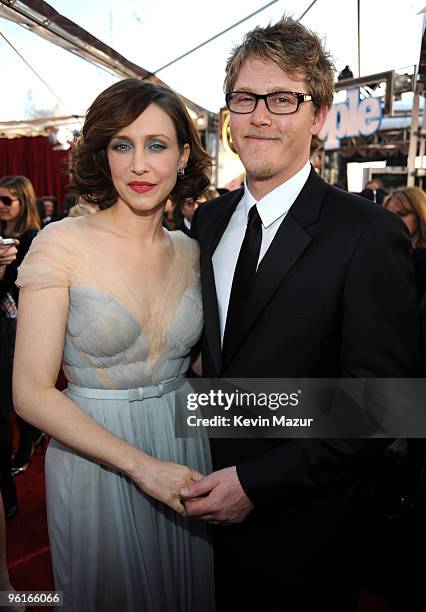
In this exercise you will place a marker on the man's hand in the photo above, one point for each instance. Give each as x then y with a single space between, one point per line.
225 502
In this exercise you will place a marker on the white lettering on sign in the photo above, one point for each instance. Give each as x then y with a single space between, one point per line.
353 117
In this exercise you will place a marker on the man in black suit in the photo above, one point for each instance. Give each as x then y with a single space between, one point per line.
333 295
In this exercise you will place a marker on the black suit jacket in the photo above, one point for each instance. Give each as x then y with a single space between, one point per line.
334 296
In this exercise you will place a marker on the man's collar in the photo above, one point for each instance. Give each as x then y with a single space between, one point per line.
278 201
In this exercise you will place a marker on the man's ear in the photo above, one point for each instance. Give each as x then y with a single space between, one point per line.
319 120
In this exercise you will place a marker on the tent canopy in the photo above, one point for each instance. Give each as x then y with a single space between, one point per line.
145 36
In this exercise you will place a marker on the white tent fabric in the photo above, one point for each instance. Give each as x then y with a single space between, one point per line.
152 34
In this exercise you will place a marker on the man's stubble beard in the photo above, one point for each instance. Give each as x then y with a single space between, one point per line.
257 164
258 168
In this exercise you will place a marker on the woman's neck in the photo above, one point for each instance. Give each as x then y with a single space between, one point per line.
9 228
147 228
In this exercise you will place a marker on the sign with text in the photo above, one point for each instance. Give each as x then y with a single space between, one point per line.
351 118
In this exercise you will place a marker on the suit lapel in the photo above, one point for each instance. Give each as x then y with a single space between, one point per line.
223 214
288 245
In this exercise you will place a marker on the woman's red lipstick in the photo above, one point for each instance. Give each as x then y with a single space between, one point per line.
141 186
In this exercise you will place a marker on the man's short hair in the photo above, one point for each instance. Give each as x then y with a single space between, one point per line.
296 50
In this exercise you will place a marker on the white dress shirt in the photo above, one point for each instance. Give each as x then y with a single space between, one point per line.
272 210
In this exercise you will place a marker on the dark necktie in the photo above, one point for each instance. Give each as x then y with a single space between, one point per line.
245 272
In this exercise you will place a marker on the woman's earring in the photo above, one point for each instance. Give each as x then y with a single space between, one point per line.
181 171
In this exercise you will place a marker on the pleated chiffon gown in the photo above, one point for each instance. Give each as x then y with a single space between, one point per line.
114 547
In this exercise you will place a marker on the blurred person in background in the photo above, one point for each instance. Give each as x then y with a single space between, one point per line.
188 208
83 208
70 200
19 220
210 194
409 203
168 215
50 209
374 191
71 196
374 184
40 210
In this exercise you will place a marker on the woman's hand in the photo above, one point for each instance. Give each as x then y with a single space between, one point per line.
163 480
8 253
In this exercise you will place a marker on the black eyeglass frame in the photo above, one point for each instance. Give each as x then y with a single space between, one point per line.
8 201
301 97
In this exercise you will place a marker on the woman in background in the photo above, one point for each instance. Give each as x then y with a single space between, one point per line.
116 297
410 204
19 220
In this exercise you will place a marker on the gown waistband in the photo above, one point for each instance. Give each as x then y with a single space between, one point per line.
132 395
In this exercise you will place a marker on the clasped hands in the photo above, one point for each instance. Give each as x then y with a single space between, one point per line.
217 498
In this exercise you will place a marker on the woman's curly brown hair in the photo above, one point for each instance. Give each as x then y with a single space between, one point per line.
117 107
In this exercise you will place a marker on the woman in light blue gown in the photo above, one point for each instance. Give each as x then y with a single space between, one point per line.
116 298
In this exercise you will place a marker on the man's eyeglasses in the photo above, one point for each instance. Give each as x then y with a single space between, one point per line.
8 201
277 102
